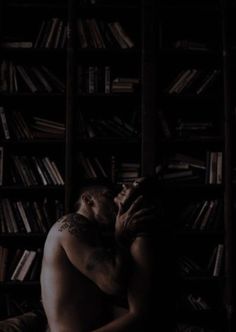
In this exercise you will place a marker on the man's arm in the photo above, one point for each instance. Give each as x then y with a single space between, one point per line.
140 289
85 250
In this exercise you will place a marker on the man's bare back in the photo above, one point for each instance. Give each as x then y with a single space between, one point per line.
71 300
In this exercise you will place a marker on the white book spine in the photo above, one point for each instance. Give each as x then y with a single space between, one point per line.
20 265
218 261
4 123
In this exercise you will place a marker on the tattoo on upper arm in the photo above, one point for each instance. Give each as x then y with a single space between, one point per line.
74 225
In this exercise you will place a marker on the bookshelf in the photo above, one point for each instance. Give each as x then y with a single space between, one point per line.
191 108
106 113
33 143
70 108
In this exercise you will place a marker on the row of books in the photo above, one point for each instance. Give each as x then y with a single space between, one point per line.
28 78
192 328
196 303
119 172
98 79
20 264
24 216
184 168
194 128
201 215
93 33
19 126
192 45
112 127
15 125
179 127
194 81
34 171
189 267
52 34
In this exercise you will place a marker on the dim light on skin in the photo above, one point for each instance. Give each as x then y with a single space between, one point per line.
127 191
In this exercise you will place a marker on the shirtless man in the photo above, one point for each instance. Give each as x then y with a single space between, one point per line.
79 267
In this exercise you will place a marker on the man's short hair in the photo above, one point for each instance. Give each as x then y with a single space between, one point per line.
91 185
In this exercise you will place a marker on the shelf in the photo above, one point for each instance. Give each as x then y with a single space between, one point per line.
181 141
22 236
108 5
30 95
202 279
109 141
33 52
183 6
18 284
199 234
31 190
32 142
192 54
36 5
108 52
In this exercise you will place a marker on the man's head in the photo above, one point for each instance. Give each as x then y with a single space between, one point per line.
97 198
96 201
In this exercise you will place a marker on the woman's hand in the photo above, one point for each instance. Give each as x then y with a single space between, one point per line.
133 219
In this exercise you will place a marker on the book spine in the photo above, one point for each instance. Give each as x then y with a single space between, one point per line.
20 264
4 123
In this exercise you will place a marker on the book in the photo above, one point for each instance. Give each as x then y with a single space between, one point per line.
52 32
17 44
19 221
43 225
50 170
4 123
57 173
23 265
26 78
10 218
210 77
197 221
212 167
4 255
208 212
116 34
59 34
190 45
1 164
123 34
57 83
219 167
24 216
177 81
20 264
83 42
39 35
218 260
38 74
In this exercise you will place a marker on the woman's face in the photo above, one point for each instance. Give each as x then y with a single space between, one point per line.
127 191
